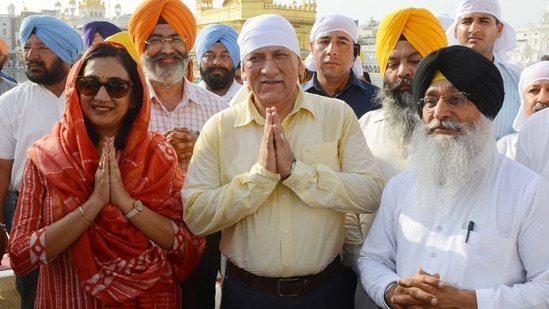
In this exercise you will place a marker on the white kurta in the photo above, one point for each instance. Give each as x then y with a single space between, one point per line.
506 258
533 144
27 113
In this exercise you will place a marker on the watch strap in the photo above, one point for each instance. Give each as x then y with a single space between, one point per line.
137 208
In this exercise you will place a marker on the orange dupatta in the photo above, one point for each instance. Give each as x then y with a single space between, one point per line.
115 261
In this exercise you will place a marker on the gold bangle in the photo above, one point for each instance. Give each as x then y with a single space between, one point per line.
84 214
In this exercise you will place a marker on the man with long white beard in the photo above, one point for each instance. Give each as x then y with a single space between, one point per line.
466 227
163 32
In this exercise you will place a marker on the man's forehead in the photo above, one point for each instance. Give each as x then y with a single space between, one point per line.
439 86
334 34
163 29
477 15
269 49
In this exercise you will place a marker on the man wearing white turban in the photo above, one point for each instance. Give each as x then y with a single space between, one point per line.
29 111
277 172
334 59
534 96
478 25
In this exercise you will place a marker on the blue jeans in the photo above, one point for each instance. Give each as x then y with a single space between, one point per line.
26 285
9 209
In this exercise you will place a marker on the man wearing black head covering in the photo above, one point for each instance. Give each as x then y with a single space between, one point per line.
463 227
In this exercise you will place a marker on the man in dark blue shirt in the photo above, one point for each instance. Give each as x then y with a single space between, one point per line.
335 60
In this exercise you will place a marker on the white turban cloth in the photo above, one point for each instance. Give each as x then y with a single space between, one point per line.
267 30
503 44
535 72
330 23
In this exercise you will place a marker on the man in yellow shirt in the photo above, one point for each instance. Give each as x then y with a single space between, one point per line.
277 172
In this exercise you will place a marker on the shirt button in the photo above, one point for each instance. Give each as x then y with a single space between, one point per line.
283 195
433 255
285 231
439 228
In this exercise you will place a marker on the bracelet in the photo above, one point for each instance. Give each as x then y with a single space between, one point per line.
84 214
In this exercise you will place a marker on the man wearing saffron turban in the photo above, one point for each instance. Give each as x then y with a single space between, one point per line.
404 37
163 32
29 111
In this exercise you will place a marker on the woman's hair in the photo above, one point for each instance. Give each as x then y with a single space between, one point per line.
104 50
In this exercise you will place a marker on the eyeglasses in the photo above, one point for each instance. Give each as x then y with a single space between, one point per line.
116 87
454 100
174 41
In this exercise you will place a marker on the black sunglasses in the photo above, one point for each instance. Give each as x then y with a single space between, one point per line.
116 87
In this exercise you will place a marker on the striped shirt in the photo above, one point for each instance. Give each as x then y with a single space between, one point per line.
196 106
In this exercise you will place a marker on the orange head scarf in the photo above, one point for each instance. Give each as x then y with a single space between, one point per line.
174 12
420 27
68 160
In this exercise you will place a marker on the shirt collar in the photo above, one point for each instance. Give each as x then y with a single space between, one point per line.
247 112
189 94
353 81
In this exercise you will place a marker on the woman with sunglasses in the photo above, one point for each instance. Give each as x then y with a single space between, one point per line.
100 209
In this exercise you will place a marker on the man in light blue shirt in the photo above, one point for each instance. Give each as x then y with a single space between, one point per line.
478 25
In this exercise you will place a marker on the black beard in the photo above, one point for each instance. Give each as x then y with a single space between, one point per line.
215 80
48 77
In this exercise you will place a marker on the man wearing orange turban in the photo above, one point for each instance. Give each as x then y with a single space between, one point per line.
6 81
163 32
404 37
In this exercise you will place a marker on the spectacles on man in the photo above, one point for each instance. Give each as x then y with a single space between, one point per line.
116 87
158 42
454 100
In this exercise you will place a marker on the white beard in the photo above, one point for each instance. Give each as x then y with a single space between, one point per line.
448 165
165 73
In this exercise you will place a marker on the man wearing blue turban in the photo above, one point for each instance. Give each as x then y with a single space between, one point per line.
218 56
30 110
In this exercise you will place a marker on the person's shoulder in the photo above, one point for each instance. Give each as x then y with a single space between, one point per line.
372 117
401 180
324 101
367 85
202 95
517 172
13 94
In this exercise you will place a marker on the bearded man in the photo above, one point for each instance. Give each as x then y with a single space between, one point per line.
163 32
218 56
465 227
404 37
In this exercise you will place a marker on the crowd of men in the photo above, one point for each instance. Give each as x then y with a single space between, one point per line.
335 193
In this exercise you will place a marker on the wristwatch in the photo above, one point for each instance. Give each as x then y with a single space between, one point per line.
137 208
292 167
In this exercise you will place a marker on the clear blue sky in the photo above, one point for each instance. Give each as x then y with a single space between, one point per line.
519 13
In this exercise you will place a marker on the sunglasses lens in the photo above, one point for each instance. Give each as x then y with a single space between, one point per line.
88 86
117 89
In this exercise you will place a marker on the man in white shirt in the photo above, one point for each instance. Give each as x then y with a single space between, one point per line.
464 227
29 111
218 56
163 33
404 37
